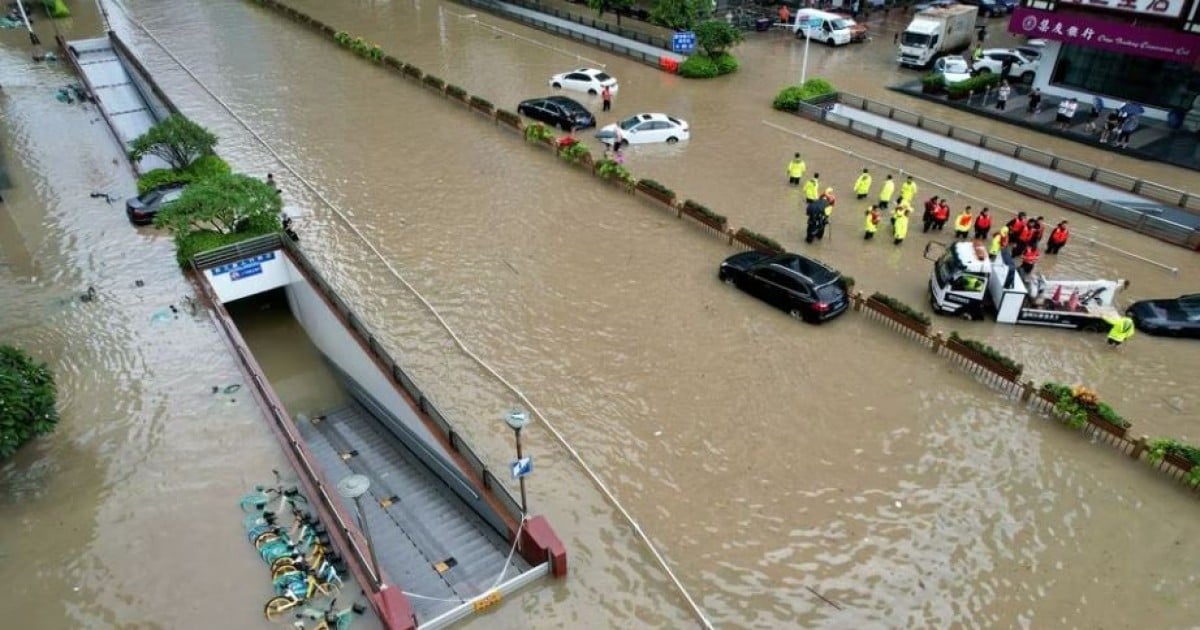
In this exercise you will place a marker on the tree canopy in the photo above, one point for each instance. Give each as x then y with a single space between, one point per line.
680 15
175 139
716 36
223 203
613 6
27 397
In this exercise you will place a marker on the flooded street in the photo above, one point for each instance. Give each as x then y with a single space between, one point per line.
770 461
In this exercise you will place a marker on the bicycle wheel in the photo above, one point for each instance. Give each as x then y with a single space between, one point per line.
283 572
253 502
266 538
281 562
277 606
329 588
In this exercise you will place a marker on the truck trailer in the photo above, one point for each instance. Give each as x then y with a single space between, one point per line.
967 283
937 32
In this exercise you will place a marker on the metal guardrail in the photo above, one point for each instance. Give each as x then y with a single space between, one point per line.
237 251
1143 222
637 36
1159 192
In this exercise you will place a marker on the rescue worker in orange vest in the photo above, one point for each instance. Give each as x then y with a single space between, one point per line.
941 214
962 224
1021 239
999 242
871 223
1122 329
1029 258
983 224
1016 224
1038 226
1058 238
785 16
927 215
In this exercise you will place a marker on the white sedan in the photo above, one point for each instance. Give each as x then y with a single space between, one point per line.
587 80
953 69
1019 64
646 128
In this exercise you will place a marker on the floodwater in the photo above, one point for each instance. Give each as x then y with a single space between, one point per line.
770 461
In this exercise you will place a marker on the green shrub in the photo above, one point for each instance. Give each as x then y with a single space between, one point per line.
765 241
726 63
574 152
933 81
202 167
698 66
901 307
1160 447
705 212
789 98
413 71
537 132
989 352
27 399
343 38
610 169
650 184
189 244
456 92
508 117
482 103
434 82
849 280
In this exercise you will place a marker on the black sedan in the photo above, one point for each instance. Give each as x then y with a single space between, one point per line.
141 209
558 111
803 287
1178 317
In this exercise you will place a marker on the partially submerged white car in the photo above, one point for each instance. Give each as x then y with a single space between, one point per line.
954 69
589 80
646 128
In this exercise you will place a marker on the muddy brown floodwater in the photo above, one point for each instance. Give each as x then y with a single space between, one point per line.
769 460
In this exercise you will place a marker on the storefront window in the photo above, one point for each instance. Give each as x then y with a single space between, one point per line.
1155 82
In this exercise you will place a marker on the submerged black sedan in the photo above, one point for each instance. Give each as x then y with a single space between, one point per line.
1176 317
803 287
558 111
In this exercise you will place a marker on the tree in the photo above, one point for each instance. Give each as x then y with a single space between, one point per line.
223 203
680 15
716 36
27 397
175 139
613 6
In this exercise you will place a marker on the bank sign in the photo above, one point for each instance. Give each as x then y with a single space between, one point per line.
245 267
1091 32
1164 8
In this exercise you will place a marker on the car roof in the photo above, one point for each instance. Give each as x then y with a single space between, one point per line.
563 100
811 269
590 71
651 116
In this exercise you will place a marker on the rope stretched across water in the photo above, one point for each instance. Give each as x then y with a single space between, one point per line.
608 494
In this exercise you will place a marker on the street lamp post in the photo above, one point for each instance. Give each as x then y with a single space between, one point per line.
804 64
353 487
517 419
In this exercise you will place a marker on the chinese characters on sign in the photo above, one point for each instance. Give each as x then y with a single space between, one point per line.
1165 8
1092 32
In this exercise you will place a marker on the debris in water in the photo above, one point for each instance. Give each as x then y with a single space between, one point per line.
229 389
657 433
898 505
823 598
138 283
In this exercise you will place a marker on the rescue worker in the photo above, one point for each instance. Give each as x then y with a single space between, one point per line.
962 224
1122 329
999 242
885 193
1038 229
900 226
1016 224
870 223
795 170
785 16
862 185
832 199
927 215
1021 239
908 190
1058 238
941 214
817 217
812 188
1029 258
983 224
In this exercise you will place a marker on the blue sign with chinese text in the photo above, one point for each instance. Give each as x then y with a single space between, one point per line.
521 467
251 266
683 42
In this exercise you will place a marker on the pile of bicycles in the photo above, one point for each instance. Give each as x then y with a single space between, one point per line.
303 566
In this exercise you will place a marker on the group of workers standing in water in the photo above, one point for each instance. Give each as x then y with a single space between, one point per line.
1022 234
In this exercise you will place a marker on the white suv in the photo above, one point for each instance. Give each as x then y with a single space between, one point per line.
1019 65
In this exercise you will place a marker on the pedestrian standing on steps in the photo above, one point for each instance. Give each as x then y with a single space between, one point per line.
1035 102
1002 95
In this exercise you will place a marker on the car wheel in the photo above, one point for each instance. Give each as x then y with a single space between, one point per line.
592 92
624 143
556 85
984 71
829 42
565 127
1027 76
727 279
672 140
1093 327
796 313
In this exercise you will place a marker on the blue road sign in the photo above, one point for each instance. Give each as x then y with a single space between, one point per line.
683 42
521 467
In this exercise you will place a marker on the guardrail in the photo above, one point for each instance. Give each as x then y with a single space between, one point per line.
637 36
1143 222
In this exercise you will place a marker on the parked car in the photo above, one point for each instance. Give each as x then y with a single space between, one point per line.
558 111
932 4
1178 317
954 69
587 80
142 209
1019 65
646 128
803 287
988 8
1010 5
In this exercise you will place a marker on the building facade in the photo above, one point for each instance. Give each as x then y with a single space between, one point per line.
1141 51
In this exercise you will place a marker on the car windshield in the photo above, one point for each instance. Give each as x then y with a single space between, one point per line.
842 24
947 267
602 77
957 66
914 39
630 123
172 195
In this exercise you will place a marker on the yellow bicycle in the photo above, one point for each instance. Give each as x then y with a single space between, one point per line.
296 594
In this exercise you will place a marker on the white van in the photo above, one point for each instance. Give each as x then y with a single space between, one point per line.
822 26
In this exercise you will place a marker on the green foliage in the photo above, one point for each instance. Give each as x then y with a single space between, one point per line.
192 243
703 211
175 139
221 204
203 167
456 92
343 38
698 67
849 280
989 352
976 84
679 15
900 307
650 184
27 397
789 98
56 9
574 152
933 82
434 82
766 242
413 71
508 117
726 63
482 103
1159 448
537 132
716 36
612 6
1078 403
610 169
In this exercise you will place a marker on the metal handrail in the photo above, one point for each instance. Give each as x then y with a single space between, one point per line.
237 251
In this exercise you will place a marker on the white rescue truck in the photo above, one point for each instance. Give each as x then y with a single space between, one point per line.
967 283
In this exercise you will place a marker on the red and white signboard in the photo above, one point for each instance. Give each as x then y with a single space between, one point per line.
1162 8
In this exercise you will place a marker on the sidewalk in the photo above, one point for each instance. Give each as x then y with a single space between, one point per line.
650 54
1152 141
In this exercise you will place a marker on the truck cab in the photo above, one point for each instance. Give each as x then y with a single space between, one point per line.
967 283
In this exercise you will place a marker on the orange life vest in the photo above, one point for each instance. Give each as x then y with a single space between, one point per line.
963 222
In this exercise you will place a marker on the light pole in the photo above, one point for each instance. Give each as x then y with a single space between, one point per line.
804 64
517 419
354 487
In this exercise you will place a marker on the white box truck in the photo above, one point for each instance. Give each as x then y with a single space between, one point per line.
937 32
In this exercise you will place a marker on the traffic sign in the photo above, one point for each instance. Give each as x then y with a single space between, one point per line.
521 467
683 42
